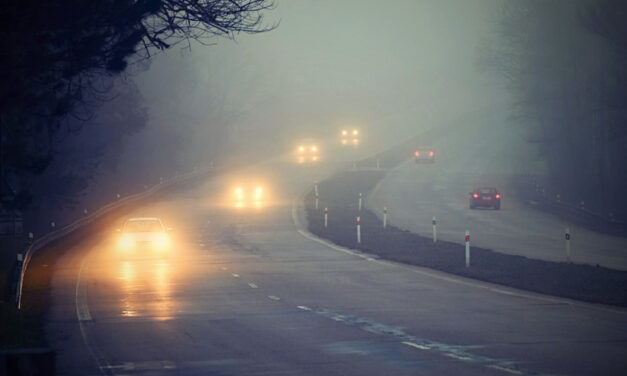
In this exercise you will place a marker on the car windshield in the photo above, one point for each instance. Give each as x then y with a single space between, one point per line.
148 225
487 191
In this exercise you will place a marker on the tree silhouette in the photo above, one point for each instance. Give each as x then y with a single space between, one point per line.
57 58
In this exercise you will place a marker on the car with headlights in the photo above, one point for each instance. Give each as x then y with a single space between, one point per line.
307 151
424 154
485 197
249 195
349 137
145 236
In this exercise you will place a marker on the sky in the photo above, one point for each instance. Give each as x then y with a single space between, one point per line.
393 68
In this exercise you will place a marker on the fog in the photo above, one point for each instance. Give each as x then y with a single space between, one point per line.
392 69
395 68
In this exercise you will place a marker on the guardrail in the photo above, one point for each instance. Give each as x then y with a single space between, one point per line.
82 222
540 195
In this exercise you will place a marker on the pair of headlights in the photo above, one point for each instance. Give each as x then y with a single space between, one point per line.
159 241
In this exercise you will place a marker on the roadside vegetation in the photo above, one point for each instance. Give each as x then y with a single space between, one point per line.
564 63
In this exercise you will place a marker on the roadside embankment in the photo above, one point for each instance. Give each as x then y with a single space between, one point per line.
340 195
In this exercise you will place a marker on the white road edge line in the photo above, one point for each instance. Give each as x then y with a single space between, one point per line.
445 276
84 316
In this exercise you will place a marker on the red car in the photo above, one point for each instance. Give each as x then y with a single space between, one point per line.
485 197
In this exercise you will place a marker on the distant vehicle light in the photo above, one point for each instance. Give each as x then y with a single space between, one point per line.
355 132
344 142
301 149
417 154
475 195
344 133
314 148
431 154
498 195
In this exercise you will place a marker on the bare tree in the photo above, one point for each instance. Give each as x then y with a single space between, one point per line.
57 58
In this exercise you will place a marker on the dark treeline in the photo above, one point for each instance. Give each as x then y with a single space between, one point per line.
63 107
565 61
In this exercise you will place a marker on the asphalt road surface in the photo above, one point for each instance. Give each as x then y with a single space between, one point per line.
415 192
245 291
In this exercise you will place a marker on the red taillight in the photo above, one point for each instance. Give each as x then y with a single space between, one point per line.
498 195
431 154
417 154
475 195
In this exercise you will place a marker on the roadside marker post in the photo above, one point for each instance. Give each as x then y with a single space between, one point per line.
317 201
435 231
358 230
385 217
316 188
326 217
378 164
19 264
467 248
567 242
359 201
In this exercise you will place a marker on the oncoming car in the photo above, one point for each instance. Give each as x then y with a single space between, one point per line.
248 196
307 151
144 236
350 137
485 197
424 154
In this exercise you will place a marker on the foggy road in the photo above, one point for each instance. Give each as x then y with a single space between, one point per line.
247 294
414 193
103 107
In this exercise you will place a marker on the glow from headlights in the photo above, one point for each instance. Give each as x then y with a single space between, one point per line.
314 148
344 133
161 242
258 193
126 242
301 149
355 132
239 193
344 141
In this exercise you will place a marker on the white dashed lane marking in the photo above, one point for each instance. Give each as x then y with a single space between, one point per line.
235 275
252 285
415 345
273 297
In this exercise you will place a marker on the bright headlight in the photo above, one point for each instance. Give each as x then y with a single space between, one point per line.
314 148
301 149
344 133
355 132
258 193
